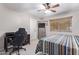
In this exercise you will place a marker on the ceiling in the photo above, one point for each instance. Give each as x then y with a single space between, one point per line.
32 8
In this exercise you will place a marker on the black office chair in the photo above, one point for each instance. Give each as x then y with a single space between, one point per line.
19 38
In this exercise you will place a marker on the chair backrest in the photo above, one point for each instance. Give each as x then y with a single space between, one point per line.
19 37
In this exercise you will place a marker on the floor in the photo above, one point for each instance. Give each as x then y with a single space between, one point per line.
30 49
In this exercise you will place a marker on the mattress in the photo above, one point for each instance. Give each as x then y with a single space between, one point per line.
59 45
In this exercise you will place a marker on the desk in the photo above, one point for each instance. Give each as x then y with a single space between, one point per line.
8 37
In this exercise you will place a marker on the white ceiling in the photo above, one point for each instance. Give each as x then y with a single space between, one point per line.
32 8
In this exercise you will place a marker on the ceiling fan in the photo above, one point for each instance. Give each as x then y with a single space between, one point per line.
50 7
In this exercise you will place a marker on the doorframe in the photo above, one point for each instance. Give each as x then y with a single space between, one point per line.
38 29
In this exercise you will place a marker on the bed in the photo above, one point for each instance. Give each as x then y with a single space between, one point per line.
59 44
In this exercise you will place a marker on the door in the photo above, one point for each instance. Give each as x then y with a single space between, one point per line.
41 30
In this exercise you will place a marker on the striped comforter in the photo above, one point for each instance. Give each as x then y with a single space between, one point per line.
59 45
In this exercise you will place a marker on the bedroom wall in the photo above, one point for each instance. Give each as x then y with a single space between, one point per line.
10 21
75 23
33 29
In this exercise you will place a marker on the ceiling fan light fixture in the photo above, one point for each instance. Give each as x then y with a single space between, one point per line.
47 11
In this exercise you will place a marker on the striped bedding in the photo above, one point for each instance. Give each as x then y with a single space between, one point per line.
59 45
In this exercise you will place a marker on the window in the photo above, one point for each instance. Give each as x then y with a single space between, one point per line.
61 25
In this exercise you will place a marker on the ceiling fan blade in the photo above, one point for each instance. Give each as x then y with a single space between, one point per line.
57 5
46 5
53 10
